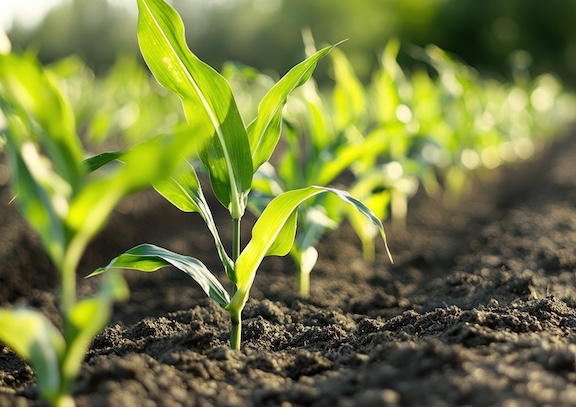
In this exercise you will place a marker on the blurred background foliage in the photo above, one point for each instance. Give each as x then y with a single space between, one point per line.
494 36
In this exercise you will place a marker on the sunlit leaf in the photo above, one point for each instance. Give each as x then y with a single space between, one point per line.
264 131
269 228
349 96
184 191
33 93
33 337
149 258
285 239
207 98
97 161
145 164
40 203
87 317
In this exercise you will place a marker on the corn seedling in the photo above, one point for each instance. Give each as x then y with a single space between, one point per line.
232 155
66 206
324 141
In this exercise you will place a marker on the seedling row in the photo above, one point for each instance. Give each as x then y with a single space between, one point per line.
301 158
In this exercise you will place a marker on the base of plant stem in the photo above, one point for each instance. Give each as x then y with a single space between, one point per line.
304 283
235 331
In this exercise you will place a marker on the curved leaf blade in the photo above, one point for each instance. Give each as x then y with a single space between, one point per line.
207 100
33 337
285 240
147 163
149 258
87 317
39 204
264 131
184 191
34 94
269 227
100 160
349 96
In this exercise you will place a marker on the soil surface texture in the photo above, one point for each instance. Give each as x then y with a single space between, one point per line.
477 310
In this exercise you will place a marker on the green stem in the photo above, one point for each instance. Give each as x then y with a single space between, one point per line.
235 315
235 330
235 246
303 283
67 285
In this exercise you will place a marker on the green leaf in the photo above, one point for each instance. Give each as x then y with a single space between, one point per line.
43 150
149 258
143 165
264 131
33 337
184 191
269 228
207 100
97 161
349 95
316 221
348 154
374 192
318 119
42 196
86 318
37 100
283 243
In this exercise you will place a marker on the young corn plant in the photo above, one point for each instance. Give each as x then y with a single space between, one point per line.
322 143
232 155
66 206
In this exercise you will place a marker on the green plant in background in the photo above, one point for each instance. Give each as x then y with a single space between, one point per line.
119 109
430 128
66 206
232 156
320 146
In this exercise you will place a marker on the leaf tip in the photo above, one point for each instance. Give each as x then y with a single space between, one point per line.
99 270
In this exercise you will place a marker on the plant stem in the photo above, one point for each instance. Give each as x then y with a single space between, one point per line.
235 315
235 330
303 283
67 287
235 245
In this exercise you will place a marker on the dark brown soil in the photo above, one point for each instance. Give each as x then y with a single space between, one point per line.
478 309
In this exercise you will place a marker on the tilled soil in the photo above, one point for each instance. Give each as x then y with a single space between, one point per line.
477 310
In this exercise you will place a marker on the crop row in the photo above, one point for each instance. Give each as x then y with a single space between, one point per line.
380 141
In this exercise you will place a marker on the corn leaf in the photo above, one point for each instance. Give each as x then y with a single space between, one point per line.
283 243
349 95
33 337
207 100
43 179
359 155
150 258
87 318
147 163
270 227
100 160
264 131
38 205
184 191
33 93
